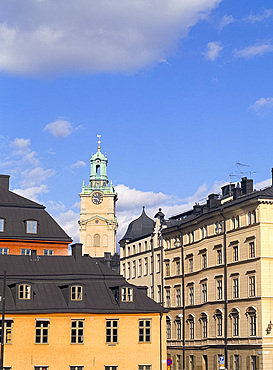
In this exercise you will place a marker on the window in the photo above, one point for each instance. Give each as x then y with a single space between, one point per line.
178 297
191 295
158 263
145 246
236 288
25 251
168 297
4 250
192 236
31 227
159 293
40 367
204 260
217 227
191 360
235 253
41 331
24 291
235 324
219 289
178 362
168 328
233 223
254 217
251 315
76 293
127 295
219 323
48 252
110 367
236 361
190 264
178 267
77 327
134 249
123 270
204 292
178 329
219 256
145 331
139 267
252 286
167 268
237 221
7 330
133 269
253 362
2 223
139 247
190 322
144 367
204 321
111 331
146 266
128 270
76 367
129 251
251 250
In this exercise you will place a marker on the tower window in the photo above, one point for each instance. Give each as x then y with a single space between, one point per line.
98 170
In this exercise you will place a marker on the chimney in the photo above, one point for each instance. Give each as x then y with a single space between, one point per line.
213 201
4 182
227 189
236 191
77 250
247 185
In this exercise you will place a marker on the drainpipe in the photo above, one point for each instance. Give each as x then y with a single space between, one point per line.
183 299
3 321
225 289
160 340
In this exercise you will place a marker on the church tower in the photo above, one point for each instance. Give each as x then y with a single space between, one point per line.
98 222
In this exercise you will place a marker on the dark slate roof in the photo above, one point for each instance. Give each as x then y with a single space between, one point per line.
51 277
15 210
139 228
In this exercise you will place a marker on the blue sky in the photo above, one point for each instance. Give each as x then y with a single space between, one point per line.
179 90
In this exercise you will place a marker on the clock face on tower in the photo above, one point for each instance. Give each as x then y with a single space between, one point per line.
97 198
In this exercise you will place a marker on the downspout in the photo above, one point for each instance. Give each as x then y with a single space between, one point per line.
225 289
3 321
183 300
160 340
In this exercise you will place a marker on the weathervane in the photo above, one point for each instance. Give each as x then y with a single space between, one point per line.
99 142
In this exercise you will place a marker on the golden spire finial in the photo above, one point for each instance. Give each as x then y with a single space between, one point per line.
99 142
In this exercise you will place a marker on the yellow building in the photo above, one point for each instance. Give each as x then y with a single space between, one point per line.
218 261
74 313
98 222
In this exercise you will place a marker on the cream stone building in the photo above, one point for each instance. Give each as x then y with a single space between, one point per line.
98 222
218 262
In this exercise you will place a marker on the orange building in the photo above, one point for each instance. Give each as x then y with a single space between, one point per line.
25 225
74 313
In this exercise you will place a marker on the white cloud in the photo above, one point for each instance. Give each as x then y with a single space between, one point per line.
59 128
225 21
262 105
254 18
35 176
50 37
78 164
253 50
55 206
22 146
32 192
213 50
69 222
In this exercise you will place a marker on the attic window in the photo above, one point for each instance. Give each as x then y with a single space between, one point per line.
2 222
31 227
76 293
127 294
24 291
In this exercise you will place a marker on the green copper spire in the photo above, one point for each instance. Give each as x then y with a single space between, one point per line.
98 177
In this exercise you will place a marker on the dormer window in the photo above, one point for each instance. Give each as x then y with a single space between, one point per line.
31 227
127 294
2 223
76 293
24 291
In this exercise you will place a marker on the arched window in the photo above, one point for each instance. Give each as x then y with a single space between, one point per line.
234 315
254 217
190 322
98 170
204 321
168 320
96 240
251 314
218 316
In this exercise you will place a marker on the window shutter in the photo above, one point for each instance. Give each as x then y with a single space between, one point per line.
231 362
248 363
